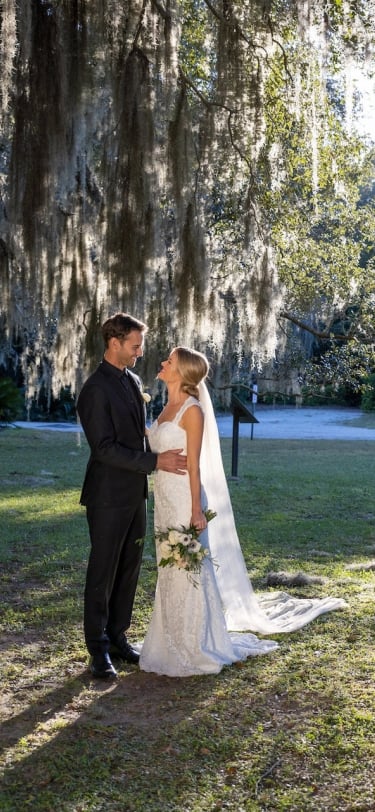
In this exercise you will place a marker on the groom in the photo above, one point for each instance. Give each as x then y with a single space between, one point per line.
112 412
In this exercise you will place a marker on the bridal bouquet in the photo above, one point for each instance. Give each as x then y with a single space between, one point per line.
180 546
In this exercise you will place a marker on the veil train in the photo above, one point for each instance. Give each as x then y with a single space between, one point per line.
272 613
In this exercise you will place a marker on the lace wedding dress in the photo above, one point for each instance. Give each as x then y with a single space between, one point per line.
187 634
202 622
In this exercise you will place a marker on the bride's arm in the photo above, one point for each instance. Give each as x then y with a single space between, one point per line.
192 422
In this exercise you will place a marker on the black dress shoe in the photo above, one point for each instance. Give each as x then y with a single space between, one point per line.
123 650
102 667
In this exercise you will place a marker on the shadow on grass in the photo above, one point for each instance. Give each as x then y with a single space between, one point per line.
85 743
156 743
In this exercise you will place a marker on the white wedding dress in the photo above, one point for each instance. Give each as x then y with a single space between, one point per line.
204 621
187 634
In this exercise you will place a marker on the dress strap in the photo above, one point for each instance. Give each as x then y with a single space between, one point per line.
190 401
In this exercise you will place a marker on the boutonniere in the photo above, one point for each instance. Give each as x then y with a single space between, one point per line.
146 397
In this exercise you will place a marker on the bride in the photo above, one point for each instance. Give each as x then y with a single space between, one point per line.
204 621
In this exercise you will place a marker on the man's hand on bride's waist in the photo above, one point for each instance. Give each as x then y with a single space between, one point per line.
172 461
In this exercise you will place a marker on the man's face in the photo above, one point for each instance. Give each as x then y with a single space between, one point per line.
128 349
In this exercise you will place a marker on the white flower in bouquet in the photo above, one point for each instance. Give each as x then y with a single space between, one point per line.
181 548
164 549
185 539
194 546
175 537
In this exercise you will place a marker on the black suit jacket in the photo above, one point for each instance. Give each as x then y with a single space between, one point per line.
114 424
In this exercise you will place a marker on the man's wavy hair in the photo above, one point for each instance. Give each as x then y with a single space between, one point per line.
120 325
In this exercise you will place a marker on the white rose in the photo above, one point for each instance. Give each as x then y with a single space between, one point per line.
146 397
175 537
164 549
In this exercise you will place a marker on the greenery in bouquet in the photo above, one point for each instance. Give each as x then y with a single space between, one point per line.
180 546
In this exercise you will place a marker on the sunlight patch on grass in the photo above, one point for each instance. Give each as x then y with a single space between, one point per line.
38 505
43 734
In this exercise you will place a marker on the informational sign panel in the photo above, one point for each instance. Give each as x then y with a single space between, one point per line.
242 413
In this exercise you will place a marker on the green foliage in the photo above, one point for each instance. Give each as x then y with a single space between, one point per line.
320 201
11 400
318 226
330 395
340 367
368 394
194 56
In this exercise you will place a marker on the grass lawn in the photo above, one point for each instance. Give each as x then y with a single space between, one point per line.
292 730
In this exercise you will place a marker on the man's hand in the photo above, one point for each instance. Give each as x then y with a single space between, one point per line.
172 461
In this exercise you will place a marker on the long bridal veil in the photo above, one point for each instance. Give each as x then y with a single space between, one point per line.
273 613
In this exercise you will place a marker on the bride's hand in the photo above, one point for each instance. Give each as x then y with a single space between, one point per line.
199 520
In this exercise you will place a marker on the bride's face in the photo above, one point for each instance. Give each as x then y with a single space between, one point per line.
169 370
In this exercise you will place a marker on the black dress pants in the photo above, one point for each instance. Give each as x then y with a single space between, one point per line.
112 572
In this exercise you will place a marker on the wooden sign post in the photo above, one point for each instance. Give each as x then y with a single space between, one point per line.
242 413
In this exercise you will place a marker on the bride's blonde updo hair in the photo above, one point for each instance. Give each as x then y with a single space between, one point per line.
193 368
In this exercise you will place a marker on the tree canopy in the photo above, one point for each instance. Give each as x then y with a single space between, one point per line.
196 163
